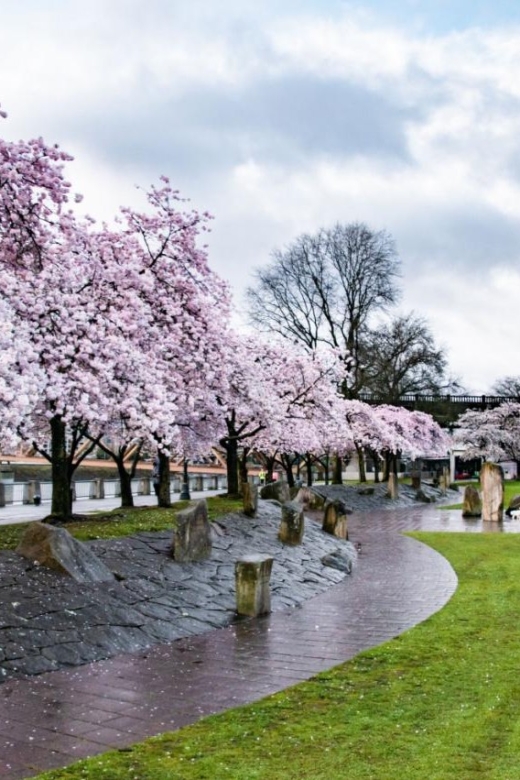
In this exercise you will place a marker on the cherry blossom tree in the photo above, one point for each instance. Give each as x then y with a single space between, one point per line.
87 296
273 392
409 431
493 434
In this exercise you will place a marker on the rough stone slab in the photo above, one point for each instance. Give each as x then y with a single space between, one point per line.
292 525
472 503
192 536
335 518
276 491
56 549
250 498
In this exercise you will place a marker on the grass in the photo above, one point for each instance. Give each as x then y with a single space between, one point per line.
511 489
438 703
123 522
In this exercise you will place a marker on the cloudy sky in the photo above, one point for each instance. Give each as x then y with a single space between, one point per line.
280 117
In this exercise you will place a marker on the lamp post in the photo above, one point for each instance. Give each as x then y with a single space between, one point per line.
185 489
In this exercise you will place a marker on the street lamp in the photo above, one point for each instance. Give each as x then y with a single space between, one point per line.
185 489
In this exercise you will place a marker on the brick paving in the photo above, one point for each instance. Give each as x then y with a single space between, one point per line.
56 718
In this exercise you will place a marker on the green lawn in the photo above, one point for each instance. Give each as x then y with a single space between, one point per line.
511 489
123 522
441 702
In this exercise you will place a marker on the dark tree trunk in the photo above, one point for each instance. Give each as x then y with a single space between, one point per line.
243 466
125 481
231 447
361 463
61 506
327 468
377 466
287 462
270 461
387 461
337 474
308 467
395 463
163 494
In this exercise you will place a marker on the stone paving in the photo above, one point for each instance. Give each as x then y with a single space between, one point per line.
48 621
58 717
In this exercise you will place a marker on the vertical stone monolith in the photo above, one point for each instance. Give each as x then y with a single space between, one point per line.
492 487
292 525
252 584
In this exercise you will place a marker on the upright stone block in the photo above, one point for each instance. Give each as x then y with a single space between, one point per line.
335 519
416 480
492 486
249 498
252 583
444 480
192 536
471 504
292 525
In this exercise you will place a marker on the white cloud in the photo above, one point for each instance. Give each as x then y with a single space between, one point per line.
280 120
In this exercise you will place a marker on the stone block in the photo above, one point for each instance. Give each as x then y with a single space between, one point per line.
342 560
309 498
279 491
249 498
252 583
514 505
471 504
492 486
192 536
335 519
58 550
292 525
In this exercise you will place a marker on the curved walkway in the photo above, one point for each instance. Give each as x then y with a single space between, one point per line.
59 717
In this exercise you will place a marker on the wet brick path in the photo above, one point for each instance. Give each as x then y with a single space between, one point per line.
58 717
47 621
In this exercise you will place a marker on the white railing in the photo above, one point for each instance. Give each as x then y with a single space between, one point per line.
12 493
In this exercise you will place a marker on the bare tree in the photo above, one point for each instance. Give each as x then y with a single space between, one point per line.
323 288
508 386
401 358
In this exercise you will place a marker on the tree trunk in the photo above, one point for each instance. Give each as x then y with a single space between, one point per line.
327 468
61 506
242 466
231 447
287 463
377 466
163 495
337 473
395 463
308 467
125 480
361 463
